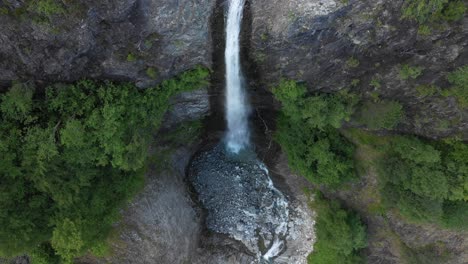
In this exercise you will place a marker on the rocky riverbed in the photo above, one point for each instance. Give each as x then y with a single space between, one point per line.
241 200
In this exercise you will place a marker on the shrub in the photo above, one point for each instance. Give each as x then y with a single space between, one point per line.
407 72
375 83
131 57
48 7
425 11
72 157
352 62
307 131
340 234
152 73
455 214
454 11
381 114
459 90
424 30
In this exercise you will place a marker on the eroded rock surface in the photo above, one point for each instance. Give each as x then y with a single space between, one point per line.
313 41
107 39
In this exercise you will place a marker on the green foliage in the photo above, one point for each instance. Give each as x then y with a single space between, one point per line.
71 157
17 104
340 234
427 90
47 8
66 240
454 11
380 114
407 72
352 62
355 82
152 73
459 90
43 254
424 30
307 131
131 57
427 181
375 82
430 11
455 214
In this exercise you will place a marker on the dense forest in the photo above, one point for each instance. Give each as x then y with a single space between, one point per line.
72 156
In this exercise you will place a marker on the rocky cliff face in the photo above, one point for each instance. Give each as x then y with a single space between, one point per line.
313 41
146 41
137 40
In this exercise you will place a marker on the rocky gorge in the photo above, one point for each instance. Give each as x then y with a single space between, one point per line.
330 45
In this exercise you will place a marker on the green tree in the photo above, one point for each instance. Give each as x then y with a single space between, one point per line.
427 180
340 234
72 157
459 90
307 132
66 240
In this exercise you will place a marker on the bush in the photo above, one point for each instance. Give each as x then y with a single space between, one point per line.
72 157
352 62
307 131
407 72
428 11
455 214
381 114
152 73
454 11
459 90
47 8
340 234
375 82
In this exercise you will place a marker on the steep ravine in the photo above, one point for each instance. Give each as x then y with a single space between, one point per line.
303 40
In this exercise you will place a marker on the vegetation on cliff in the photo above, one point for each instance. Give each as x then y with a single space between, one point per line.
428 11
307 132
340 234
427 180
72 155
423 181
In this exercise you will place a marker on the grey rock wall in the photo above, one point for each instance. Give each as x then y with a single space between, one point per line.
312 41
117 39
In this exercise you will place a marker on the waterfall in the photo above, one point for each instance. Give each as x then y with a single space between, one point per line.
237 109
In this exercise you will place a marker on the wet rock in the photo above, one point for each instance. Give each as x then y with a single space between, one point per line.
242 203
241 200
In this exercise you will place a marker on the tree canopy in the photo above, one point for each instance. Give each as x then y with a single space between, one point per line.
71 156
307 132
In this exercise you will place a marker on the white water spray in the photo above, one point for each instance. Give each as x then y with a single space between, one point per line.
237 109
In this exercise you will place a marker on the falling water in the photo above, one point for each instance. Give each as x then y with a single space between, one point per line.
236 106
